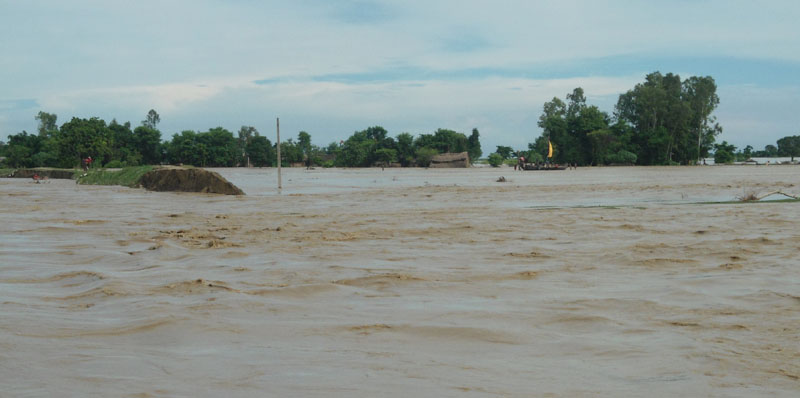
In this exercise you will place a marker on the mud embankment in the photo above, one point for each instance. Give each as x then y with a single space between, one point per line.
66 174
188 180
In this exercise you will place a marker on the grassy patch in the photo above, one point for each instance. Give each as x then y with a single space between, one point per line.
6 172
128 176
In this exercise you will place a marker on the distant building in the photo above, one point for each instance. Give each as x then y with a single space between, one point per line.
450 160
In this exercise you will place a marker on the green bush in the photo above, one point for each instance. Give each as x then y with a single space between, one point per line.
724 153
723 157
495 159
621 157
424 156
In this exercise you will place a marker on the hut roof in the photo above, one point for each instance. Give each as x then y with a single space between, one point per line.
450 157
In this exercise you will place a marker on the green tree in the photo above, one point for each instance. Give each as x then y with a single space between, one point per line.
21 148
81 138
185 148
147 142
405 149
18 156
495 159
47 155
47 124
221 147
554 127
304 144
290 152
579 148
123 145
474 146
724 153
424 156
260 151
621 157
385 156
450 141
701 95
443 141
600 142
152 119
246 134
27 150
747 152
505 152
359 150
789 146
376 133
671 119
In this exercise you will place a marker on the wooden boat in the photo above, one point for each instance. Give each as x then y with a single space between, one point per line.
542 167
523 165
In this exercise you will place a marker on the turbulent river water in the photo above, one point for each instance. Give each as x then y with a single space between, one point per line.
405 282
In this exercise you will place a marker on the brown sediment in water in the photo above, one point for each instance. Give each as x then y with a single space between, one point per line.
459 286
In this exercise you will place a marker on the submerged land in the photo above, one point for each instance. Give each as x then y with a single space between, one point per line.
624 281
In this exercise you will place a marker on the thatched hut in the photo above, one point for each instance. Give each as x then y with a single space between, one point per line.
450 160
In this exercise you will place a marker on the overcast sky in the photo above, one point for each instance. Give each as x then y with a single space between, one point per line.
335 67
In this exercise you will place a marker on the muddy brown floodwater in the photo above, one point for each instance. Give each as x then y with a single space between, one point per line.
438 283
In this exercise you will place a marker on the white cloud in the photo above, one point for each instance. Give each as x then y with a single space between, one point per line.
195 61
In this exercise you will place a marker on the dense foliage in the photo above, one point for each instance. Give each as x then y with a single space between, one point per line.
373 146
117 145
789 146
661 121
724 153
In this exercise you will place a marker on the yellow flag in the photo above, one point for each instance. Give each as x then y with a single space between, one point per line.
550 151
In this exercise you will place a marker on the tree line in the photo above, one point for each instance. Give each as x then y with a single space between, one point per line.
120 145
664 120
661 121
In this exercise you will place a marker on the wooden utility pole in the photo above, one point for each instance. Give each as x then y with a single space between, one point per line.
279 151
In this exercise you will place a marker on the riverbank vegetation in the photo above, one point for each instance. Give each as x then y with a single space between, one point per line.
661 121
128 176
115 145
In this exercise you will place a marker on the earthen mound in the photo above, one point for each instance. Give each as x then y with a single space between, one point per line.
188 180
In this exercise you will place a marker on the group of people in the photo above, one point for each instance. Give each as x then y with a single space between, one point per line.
546 165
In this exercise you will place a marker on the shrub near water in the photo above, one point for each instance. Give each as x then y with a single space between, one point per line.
495 159
128 176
